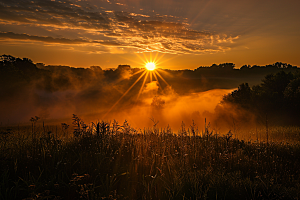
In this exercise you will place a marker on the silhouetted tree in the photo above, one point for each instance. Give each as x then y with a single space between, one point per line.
242 96
278 96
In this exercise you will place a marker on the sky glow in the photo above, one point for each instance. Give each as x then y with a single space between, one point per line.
81 33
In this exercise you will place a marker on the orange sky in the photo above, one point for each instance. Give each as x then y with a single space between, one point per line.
191 33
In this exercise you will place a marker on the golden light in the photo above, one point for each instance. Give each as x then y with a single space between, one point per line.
150 66
149 71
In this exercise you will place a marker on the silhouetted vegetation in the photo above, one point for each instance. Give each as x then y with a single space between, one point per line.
277 98
29 89
115 161
20 72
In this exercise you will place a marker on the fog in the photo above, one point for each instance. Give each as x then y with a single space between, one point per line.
55 93
55 97
171 109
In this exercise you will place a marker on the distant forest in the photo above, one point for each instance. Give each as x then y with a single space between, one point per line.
17 72
26 85
277 98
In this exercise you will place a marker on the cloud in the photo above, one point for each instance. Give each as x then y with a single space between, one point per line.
11 35
141 31
53 13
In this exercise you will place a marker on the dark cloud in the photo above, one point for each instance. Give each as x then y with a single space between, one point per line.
62 13
11 35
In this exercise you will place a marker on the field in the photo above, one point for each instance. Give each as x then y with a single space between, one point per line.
111 161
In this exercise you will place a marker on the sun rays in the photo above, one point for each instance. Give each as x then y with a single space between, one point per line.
150 69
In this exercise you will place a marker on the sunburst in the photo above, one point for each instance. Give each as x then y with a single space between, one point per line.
150 69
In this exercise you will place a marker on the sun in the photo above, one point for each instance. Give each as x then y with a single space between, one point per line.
150 66
149 73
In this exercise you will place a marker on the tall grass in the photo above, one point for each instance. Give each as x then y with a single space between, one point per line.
115 161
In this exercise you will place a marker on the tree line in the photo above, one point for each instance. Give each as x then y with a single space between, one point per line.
277 98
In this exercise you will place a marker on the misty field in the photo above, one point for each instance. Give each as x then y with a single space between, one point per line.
112 161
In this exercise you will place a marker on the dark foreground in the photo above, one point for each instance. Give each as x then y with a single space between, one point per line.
108 161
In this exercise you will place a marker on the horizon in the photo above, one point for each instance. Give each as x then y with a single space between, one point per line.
157 67
187 35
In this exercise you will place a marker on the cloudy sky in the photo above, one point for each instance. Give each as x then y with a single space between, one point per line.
183 33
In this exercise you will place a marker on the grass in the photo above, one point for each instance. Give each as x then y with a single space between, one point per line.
112 161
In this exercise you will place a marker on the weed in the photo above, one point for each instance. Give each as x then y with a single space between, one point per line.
110 161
